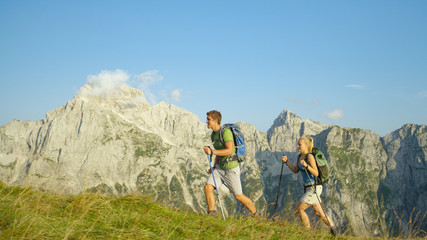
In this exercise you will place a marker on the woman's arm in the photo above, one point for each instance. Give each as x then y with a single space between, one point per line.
310 165
286 161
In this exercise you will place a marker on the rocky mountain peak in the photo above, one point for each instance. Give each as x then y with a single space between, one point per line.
121 97
121 91
110 139
288 127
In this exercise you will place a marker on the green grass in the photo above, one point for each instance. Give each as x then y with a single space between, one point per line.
31 214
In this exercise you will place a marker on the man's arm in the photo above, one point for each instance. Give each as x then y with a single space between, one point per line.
223 152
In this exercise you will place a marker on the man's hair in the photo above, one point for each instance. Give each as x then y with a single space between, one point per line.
215 115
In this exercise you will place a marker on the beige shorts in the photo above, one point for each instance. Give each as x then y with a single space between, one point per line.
230 178
310 197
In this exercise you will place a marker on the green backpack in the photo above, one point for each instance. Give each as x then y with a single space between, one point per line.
322 165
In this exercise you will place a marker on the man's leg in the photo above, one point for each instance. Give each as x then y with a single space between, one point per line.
246 202
300 210
210 198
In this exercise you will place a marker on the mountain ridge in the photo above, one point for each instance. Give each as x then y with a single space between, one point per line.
119 144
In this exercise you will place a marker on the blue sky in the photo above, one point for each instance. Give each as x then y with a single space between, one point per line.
358 64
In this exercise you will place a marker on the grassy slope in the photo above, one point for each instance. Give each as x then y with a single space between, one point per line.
29 214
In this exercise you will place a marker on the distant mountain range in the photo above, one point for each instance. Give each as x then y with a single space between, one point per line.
119 144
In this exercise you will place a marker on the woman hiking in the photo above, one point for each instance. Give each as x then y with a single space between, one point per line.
306 165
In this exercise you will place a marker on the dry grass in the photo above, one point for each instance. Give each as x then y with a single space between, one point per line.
29 214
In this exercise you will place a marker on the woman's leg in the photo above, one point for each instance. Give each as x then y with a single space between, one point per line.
300 210
319 212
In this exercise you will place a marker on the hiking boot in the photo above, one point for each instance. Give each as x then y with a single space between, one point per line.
212 213
334 231
252 215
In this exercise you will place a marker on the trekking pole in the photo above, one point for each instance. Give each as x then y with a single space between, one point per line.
278 190
318 199
213 176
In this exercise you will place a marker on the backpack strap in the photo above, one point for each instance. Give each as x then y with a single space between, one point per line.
316 179
221 138
305 158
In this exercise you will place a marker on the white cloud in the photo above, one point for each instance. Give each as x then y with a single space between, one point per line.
106 82
356 86
335 114
145 81
148 78
176 95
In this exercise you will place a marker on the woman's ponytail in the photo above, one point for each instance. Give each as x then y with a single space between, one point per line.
309 142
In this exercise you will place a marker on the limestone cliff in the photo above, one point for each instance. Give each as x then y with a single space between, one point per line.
371 175
403 192
115 144
119 144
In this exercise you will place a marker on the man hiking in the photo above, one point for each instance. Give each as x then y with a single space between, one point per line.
226 168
